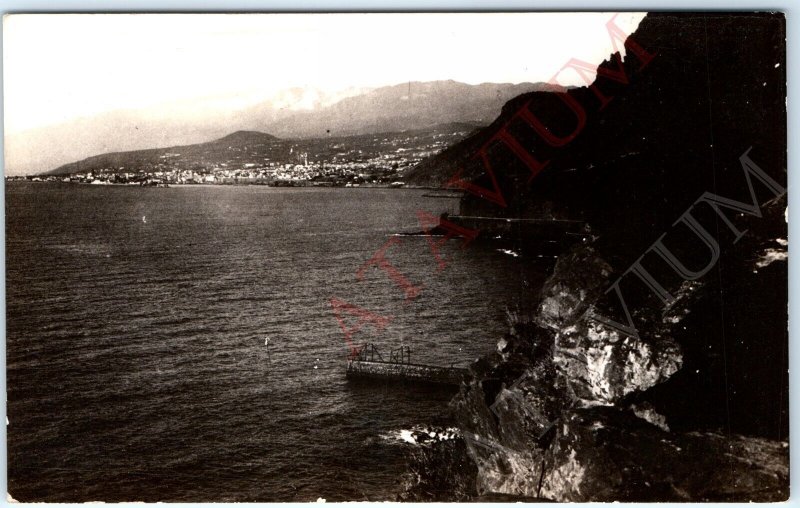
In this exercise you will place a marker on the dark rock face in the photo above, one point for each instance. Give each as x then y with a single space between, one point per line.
580 276
550 415
599 365
687 400
441 471
596 363
605 454
676 128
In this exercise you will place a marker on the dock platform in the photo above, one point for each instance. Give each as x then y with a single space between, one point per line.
367 363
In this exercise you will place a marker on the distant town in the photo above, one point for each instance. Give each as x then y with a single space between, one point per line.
254 158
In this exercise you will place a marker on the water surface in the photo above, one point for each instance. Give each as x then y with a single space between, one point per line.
136 318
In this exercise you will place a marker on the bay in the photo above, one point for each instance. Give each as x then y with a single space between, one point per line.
136 320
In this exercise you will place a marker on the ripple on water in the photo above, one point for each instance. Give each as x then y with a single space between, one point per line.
136 364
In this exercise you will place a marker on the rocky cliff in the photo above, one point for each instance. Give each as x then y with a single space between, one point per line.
655 367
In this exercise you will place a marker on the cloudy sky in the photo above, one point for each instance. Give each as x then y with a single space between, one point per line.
61 67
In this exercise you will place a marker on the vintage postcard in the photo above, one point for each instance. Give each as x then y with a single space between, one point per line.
511 256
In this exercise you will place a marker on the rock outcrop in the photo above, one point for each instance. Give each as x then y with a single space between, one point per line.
607 454
550 415
655 367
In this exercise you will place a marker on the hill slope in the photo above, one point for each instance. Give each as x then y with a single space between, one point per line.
576 408
296 113
245 138
387 154
196 155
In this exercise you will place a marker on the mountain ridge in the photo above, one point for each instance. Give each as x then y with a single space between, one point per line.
246 136
413 105
235 139
370 111
249 148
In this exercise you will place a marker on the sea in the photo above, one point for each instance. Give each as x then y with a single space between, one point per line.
136 363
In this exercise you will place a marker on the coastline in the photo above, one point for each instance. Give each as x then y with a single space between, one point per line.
453 194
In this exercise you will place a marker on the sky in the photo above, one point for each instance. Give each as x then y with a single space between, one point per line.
59 67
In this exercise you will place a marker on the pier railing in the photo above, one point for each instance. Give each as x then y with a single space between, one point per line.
367 362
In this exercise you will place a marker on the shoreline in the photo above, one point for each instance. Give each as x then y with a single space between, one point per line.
443 192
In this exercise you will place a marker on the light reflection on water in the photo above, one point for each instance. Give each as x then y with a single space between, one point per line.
136 363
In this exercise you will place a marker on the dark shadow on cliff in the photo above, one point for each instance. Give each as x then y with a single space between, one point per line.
571 408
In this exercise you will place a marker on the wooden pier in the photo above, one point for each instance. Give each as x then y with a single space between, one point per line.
367 363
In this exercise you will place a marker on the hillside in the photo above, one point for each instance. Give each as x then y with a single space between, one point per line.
244 138
655 367
293 113
257 157
193 155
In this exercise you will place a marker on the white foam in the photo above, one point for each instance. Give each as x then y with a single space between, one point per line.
771 255
509 252
410 436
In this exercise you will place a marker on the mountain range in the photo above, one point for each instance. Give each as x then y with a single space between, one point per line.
294 113
254 151
413 105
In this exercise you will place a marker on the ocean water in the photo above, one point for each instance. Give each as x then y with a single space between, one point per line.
136 319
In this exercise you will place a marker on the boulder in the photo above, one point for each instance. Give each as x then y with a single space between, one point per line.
599 365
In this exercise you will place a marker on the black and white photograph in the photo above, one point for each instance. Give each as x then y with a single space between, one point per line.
396 256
